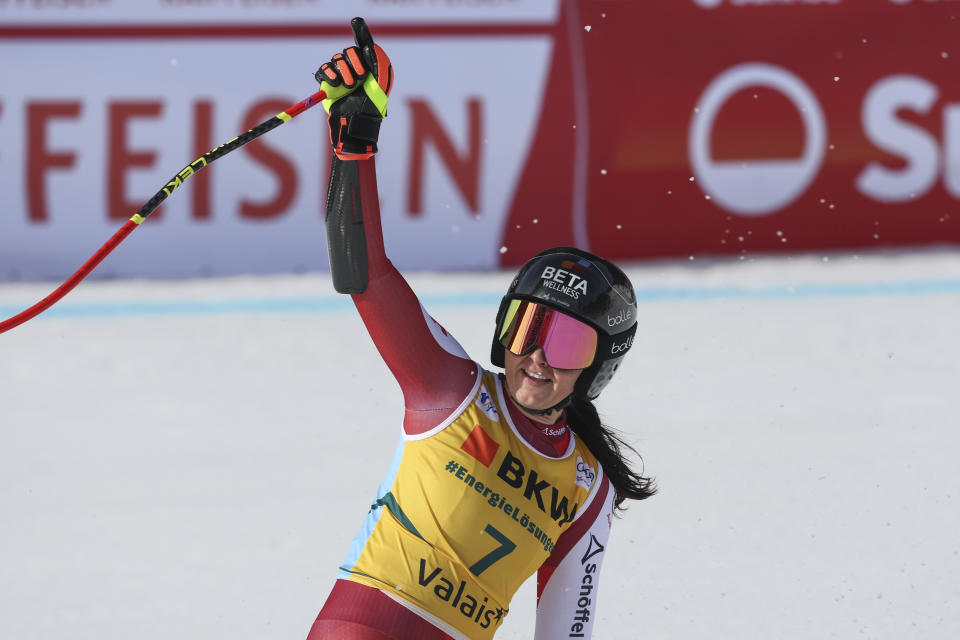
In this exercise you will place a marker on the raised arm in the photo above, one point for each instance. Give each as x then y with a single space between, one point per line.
434 372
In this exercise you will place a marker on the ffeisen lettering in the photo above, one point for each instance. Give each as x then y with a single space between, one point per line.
470 606
497 501
582 614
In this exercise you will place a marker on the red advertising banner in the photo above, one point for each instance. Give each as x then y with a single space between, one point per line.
728 127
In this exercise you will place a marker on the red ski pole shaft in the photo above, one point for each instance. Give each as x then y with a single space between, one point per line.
154 202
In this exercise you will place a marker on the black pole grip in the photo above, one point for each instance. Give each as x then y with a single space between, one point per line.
364 41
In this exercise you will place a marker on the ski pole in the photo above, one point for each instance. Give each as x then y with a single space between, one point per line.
154 202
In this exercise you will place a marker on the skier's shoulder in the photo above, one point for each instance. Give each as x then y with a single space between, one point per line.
444 338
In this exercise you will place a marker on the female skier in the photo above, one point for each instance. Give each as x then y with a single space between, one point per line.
495 476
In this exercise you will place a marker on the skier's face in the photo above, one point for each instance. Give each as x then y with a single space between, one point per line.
535 384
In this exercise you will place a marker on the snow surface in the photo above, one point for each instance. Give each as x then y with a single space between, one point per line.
191 459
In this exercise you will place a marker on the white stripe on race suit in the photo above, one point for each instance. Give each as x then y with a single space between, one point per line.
568 604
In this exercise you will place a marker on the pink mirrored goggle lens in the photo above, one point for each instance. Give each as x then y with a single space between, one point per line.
567 343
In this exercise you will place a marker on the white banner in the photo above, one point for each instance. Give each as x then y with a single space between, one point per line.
221 12
91 128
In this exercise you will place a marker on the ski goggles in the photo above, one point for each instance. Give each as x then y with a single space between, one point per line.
567 343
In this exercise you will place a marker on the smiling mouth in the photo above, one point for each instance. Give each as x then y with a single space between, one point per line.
535 376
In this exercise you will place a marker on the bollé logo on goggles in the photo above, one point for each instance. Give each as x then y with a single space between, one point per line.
621 347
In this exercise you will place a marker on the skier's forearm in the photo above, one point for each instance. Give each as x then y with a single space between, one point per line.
354 235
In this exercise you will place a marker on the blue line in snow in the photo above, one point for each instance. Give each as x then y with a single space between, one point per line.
785 292
342 303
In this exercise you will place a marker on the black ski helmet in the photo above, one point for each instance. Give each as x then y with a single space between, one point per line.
588 288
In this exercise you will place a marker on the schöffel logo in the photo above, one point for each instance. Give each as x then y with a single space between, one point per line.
622 347
581 618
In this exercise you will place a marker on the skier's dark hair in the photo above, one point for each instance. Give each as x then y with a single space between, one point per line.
609 449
